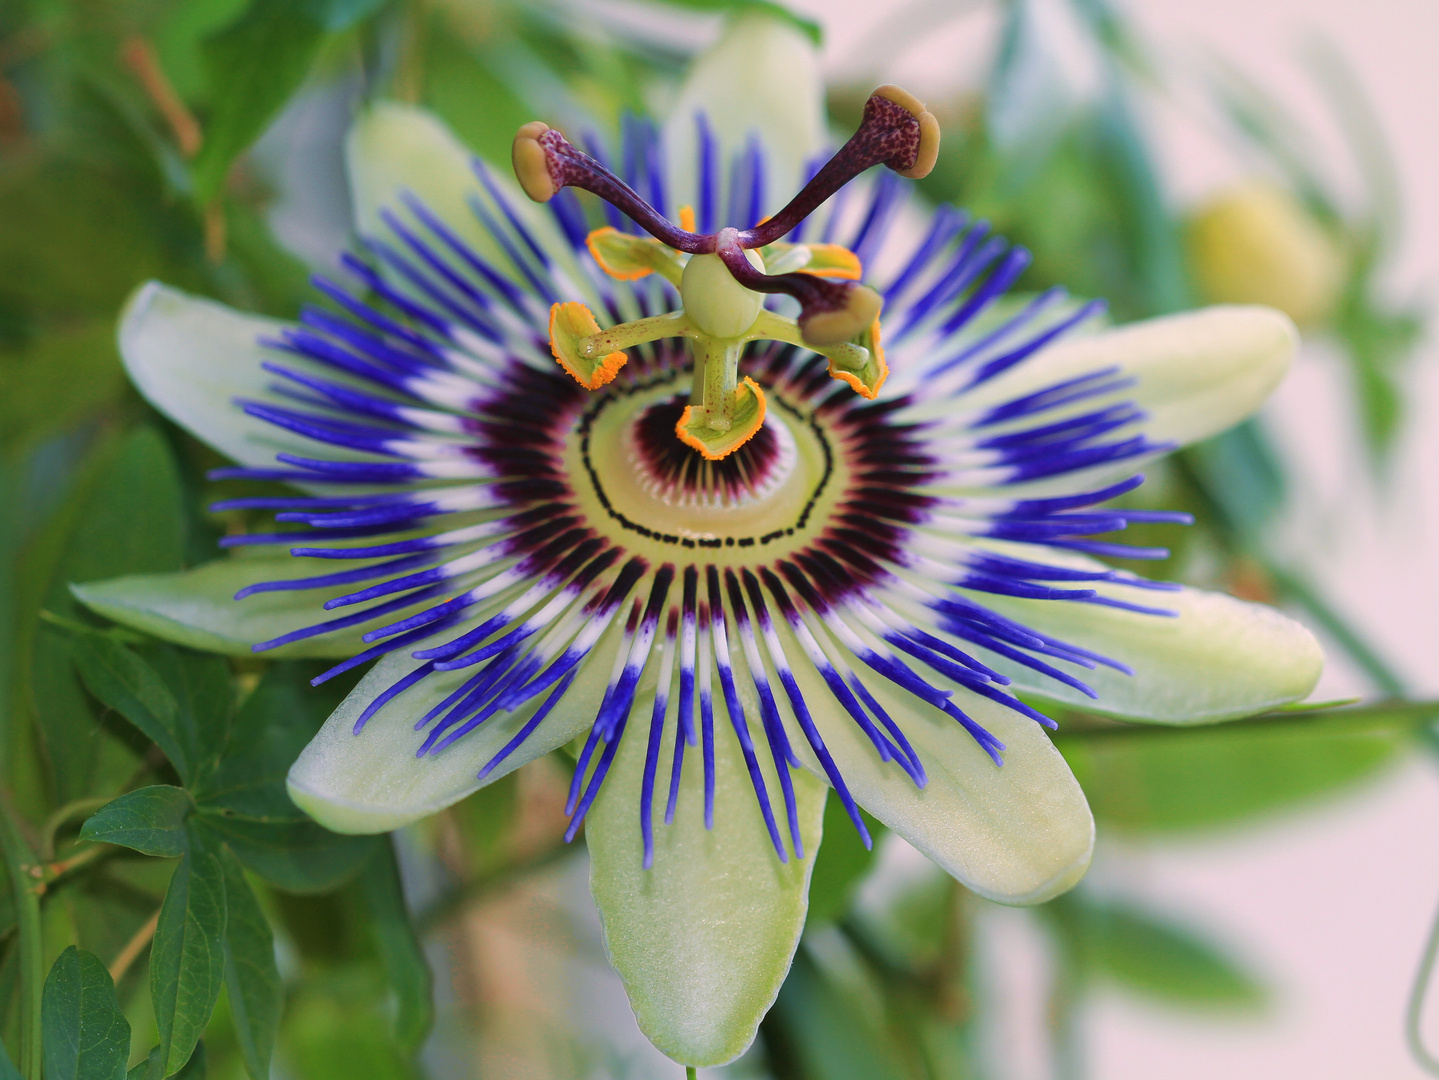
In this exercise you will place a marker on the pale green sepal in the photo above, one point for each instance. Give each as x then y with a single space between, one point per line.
192 358
1020 833
1219 659
197 608
761 78
704 938
1196 374
373 782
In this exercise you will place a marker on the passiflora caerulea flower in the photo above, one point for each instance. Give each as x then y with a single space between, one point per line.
659 492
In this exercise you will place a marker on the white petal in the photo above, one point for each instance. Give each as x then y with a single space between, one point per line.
191 358
197 608
394 148
1221 658
373 782
1196 374
1020 833
704 938
761 78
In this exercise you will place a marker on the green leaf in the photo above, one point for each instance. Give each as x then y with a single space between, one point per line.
253 65
272 726
181 700
149 1069
86 1036
1160 959
1147 228
842 861
8 1071
187 958
64 376
780 11
1242 477
399 948
123 517
204 698
298 856
252 982
260 59
125 683
151 820
820 1029
1225 775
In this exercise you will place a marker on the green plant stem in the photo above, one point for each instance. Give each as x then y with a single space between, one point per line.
59 817
21 868
1066 1000
1413 1014
689 1072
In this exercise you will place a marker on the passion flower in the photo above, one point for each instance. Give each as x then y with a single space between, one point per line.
655 491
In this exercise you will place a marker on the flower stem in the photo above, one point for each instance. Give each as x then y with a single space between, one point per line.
1414 1012
134 947
689 1072
67 812
22 868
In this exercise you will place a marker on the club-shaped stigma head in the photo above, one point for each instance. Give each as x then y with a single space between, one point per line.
531 163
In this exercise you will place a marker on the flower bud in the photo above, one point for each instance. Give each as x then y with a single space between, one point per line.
1255 244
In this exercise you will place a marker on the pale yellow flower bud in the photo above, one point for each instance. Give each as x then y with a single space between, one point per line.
1255 244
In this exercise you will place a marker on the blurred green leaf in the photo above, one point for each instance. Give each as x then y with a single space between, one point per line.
1223 775
1242 478
55 208
122 516
842 861
818 1030
187 958
7 1067
739 7
86 1036
1149 231
399 948
298 856
336 1030
151 820
260 59
480 107
1160 959
1276 134
65 375
252 982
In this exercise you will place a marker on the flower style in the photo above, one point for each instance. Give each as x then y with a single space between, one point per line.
711 545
